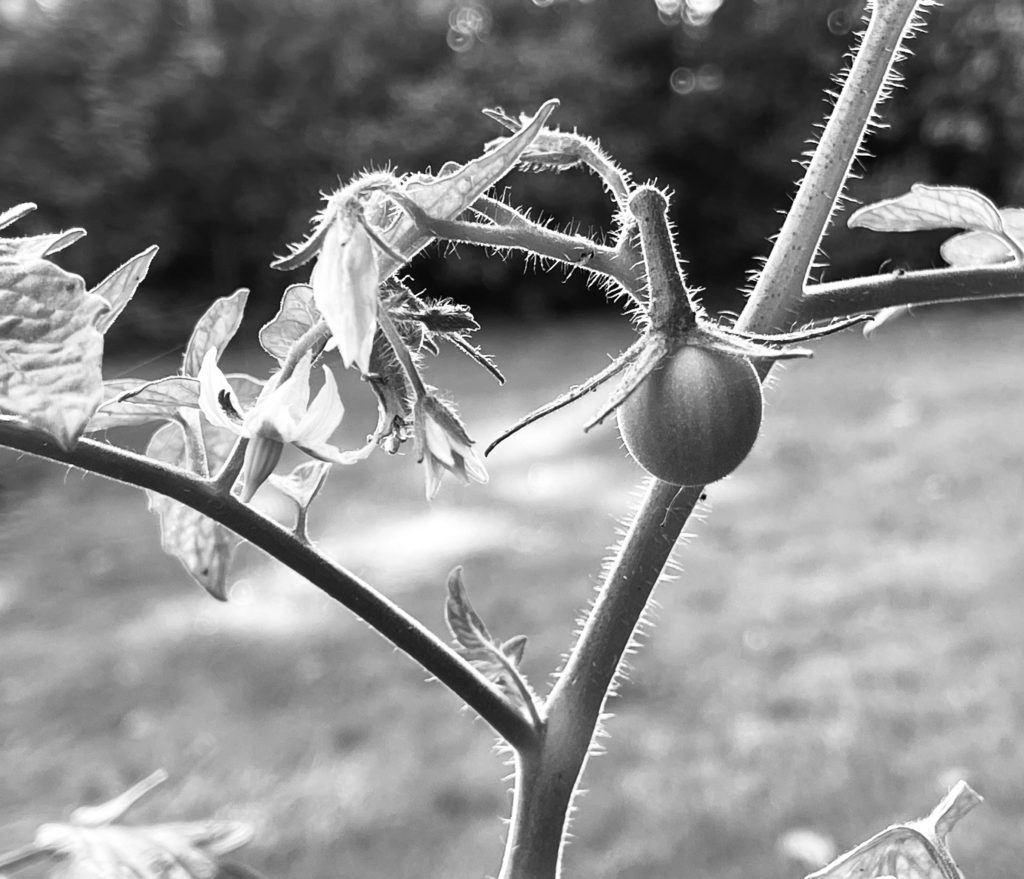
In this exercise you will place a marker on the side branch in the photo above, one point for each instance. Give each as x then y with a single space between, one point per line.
928 287
575 251
401 629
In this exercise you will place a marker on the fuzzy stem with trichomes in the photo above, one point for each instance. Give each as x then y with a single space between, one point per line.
397 343
575 251
202 495
926 287
577 699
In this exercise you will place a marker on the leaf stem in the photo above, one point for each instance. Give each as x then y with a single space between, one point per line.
575 251
401 629
926 287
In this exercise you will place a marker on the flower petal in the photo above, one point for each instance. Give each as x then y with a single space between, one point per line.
333 455
345 281
474 467
437 442
216 399
434 470
324 414
282 406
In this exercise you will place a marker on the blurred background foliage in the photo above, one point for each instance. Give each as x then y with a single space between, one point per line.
210 126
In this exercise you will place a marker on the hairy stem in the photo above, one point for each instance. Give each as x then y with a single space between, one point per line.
780 284
575 251
928 287
202 495
669 307
578 697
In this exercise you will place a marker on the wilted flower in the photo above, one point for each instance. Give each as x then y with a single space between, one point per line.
443 444
282 414
345 281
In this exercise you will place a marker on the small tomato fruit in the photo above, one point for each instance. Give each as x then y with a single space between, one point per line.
695 418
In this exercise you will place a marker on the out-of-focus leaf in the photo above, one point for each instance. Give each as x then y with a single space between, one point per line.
203 546
303 483
182 850
120 285
111 810
982 248
214 329
297 314
883 317
807 847
496 661
50 350
915 850
930 207
39 246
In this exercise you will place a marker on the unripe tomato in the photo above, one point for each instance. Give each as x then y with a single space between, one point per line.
695 418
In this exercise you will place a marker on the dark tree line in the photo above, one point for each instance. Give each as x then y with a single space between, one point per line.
210 126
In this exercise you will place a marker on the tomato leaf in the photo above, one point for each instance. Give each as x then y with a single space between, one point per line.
914 850
297 314
449 195
304 482
50 352
930 207
39 246
496 661
120 285
983 248
131 402
214 329
180 850
203 546
12 215
111 810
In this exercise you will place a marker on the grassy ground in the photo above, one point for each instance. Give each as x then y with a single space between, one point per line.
844 641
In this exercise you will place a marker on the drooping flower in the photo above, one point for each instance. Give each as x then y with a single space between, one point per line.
345 282
442 444
281 414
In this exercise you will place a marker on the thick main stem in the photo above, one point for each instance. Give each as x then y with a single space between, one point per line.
576 702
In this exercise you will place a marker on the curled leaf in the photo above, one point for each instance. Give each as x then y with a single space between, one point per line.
12 215
214 329
120 285
39 246
496 661
297 314
448 195
50 350
930 207
983 248
303 483
915 850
